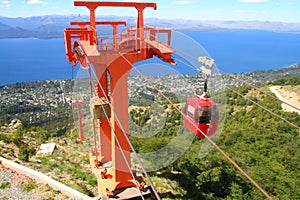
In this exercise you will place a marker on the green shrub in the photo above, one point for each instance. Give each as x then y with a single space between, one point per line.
42 135
5 138
17 137
293 81
28 187
5 185
2 123
82 188
25 152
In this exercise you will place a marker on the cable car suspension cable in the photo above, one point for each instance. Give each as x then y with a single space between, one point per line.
261 91
90 71
126 136
120 147
244 82
268 110
282 118
210 140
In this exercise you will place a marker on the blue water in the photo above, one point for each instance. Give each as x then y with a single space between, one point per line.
249 50
24 60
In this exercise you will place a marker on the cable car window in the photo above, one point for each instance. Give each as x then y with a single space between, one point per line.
214 113
204 115
190 111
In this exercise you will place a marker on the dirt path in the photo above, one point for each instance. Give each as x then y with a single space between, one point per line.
286 95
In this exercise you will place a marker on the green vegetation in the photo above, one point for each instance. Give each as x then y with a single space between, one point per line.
140 116
263 77
1 122
28 187
70 163
293 81
42 135
5 185
25 152
36 104
266 147
23 139
17 136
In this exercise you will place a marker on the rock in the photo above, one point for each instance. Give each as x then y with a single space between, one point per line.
15 124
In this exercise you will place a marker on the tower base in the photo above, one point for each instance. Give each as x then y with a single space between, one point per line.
132 193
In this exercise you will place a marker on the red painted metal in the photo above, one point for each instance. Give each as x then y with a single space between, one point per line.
112 59
191 118
78 105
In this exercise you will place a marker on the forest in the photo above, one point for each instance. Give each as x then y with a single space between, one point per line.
266 147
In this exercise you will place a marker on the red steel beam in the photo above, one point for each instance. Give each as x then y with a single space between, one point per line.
92 6
99 23
115 4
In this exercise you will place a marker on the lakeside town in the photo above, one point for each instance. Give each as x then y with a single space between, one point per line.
41 102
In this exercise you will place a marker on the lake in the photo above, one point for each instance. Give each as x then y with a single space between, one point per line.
250 50
25 60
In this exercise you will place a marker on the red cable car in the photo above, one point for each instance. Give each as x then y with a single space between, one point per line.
201 113
201 116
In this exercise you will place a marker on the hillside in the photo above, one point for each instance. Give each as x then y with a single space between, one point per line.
262 77
47 103
266 147
288 94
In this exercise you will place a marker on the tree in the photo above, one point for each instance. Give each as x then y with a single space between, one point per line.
25 152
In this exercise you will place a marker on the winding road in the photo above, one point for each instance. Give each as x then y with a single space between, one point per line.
287 96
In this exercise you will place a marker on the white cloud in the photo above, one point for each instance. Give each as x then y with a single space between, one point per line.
253 1
220 9
243 11
37 2
4 4
263 12
182 2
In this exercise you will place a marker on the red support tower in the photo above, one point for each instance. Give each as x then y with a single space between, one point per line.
112 60
78 105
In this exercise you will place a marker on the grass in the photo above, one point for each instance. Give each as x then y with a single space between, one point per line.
68 165
168 189
5 185
28 187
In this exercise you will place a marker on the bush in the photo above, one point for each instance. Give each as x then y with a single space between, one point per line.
25 152
17 136
4 137
42 135
293 81
5 185
2 123
28 187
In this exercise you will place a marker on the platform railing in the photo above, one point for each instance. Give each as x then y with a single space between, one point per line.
160 36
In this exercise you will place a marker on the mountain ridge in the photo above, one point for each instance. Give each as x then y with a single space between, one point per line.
52 26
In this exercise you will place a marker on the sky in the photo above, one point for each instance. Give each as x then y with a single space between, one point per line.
245 10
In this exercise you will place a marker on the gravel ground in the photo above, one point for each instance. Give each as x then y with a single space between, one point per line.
12 187
15 186
14 190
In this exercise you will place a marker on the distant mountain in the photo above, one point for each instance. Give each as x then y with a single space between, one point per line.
17 32
40 26
4 27
258 25
52 26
